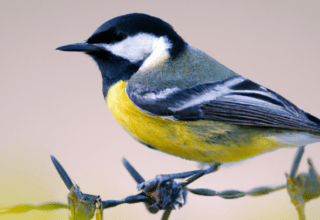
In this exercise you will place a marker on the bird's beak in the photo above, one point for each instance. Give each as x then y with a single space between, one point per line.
79 47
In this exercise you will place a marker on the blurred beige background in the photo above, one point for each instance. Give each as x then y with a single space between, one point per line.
51 102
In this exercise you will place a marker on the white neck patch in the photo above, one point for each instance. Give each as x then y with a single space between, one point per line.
138 47
160 53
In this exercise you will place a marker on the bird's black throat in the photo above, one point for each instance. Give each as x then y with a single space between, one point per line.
113 68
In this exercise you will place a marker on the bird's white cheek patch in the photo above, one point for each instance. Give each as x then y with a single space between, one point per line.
134 49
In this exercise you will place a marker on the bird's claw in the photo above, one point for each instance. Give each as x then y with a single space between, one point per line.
151 185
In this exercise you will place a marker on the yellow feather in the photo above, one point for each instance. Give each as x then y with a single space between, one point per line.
203 140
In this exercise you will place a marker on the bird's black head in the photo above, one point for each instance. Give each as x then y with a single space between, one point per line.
122 44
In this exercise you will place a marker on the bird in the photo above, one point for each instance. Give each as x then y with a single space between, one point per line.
175 98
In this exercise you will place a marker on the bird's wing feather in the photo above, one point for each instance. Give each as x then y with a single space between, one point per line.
236 100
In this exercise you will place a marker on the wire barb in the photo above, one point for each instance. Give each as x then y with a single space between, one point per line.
303 187
296 162
136 176
63 174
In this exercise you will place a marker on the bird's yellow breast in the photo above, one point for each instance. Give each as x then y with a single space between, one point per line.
202 140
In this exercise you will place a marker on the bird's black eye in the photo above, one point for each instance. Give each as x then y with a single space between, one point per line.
117 36
111 35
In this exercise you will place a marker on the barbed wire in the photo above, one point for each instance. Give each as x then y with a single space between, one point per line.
164 193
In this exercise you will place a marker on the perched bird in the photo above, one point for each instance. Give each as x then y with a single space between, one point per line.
175 98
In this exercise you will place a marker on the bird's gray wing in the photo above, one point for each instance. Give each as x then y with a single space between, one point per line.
236 100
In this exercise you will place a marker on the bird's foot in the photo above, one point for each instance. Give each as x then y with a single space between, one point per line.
196 174
166 192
